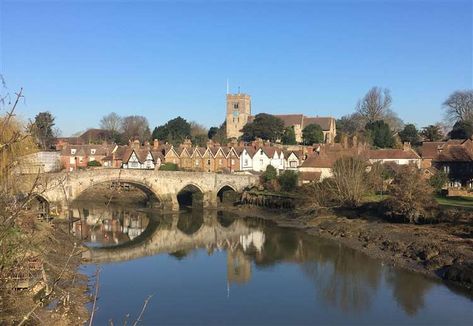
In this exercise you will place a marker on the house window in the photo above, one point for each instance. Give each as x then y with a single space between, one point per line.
92 151
233 162
293 164
208 162
73 151
197 162
246 162
220 162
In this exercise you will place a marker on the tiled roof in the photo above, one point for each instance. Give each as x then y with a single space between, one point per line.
430 150
291 119
326 159
392 154
450 151
86 150
324 123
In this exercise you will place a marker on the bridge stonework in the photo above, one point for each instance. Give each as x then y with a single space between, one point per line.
63 188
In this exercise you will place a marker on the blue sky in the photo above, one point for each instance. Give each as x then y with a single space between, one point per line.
83 59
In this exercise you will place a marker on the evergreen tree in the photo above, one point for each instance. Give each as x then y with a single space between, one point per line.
462 130
313 134
289 136
380 134
264 126
43 129
410 134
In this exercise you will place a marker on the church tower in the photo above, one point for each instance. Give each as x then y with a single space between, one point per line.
238 112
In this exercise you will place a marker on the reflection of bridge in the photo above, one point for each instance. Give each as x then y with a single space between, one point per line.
167 236
63 188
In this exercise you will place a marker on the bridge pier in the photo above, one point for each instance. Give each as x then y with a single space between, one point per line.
210 199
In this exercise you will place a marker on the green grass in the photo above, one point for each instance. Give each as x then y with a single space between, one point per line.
374 198
466 202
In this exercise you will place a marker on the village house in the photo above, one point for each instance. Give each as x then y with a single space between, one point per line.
75 157
318 166
136 156
454 157
293 159
403 156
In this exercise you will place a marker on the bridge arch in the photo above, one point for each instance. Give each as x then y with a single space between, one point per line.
39 204
191 195
154 199
227 194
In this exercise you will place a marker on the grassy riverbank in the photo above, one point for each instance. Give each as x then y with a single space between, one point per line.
461 202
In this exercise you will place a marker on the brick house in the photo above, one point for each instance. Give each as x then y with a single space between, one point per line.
74 157
454 157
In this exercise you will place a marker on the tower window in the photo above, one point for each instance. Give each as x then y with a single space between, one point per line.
235 105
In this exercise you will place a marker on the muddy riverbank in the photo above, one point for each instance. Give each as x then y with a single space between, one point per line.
442 251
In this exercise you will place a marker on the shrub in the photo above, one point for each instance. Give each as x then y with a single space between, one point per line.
269 174
94 163
169 167
350 181
288 180
411 196
438 181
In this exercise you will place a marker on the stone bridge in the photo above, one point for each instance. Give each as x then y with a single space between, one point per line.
162 237
63 188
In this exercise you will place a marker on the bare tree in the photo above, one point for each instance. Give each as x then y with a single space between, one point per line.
197 129
375 104
459 106
136 127
111 122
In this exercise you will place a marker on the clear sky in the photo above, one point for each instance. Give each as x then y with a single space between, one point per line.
83 59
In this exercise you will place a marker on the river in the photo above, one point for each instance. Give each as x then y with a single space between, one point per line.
207 267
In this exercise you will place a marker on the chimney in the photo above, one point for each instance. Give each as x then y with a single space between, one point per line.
406 146
344 141
354 141
155 144
187 143
136 144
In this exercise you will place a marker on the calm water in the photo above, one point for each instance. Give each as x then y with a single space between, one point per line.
209 268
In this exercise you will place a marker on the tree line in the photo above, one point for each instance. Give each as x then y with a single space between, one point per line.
376 123
373 122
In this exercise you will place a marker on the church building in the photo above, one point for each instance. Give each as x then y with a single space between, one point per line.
239 114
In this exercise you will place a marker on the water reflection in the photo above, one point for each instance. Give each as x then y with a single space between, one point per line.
339 277
102 225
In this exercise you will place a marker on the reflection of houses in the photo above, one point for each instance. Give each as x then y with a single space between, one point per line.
108 226
238 263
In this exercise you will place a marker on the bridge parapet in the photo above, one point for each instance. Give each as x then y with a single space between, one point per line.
65 187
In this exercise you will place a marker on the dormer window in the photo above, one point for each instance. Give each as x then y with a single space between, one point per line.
92 151
73 151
